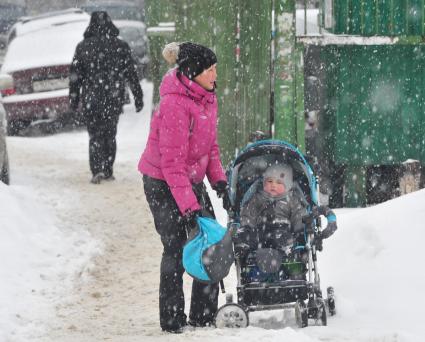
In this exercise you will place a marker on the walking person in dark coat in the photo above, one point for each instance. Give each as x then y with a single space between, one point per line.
182 150
101 67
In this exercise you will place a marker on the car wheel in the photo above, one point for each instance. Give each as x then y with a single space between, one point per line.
4 172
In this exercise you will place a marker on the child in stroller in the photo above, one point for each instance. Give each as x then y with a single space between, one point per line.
273 217
277 231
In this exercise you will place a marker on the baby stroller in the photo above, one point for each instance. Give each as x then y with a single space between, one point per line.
296 284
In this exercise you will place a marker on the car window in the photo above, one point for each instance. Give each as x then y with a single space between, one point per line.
129 34
11 12
12 35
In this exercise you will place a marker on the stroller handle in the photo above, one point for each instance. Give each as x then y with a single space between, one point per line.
331 227
311 220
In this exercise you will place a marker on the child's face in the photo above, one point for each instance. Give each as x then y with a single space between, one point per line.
274 187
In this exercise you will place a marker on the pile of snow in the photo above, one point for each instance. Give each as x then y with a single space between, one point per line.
374 263
38 261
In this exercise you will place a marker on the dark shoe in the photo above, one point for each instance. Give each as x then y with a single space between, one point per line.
199 324
110 178
97 178
173 331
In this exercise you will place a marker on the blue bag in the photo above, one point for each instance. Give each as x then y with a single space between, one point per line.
208 256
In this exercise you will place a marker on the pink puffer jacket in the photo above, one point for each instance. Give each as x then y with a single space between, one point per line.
182 145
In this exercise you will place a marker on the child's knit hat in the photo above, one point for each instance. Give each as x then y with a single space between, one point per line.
276 171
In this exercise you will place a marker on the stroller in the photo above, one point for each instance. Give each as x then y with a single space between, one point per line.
296 284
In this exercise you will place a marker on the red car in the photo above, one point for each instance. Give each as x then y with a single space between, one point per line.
38 57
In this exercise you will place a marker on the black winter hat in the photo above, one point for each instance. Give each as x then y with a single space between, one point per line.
192 59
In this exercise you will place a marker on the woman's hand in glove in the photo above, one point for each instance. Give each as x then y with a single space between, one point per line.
190 223
222 190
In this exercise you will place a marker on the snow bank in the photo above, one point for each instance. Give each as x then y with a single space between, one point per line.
37 261
374 263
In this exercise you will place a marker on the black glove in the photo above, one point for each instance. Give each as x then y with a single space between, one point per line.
189 221
222 190
139 105
241 251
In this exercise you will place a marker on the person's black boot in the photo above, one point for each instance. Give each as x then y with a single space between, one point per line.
97 178
174 331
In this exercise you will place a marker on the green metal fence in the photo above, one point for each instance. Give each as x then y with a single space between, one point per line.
374 94
288 77
383 17
157 12
239 31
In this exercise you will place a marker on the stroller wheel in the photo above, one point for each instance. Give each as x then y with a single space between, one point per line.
229 298
330 301
231 316
301 314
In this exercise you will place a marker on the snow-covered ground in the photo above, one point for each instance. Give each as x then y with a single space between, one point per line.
80 262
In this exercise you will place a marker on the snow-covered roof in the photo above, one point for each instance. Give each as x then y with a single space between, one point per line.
54 45
312 33
340 39
129 23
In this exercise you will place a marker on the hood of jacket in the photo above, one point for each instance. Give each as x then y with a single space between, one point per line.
101 25
176 83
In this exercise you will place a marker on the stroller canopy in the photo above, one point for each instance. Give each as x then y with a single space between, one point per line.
255 158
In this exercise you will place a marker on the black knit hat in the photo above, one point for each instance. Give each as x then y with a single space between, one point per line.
192 59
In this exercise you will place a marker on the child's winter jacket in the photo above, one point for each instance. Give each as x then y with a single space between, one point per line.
269 222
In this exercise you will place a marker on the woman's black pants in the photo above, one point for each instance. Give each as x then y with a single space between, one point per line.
173 232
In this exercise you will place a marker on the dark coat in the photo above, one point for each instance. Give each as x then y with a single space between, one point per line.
101 67
271 222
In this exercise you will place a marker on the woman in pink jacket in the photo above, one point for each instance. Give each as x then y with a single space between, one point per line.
181 150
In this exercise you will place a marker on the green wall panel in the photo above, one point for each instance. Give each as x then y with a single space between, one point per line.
255 60
288 78
376 104
244 83
158 11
